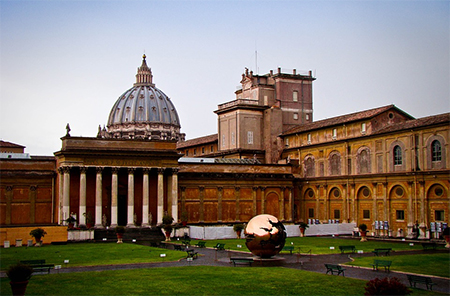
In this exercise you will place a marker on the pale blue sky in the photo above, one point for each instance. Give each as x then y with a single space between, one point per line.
68 61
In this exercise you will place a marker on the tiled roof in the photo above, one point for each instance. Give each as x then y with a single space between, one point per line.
10 145
343 119
416 123
237 161
197 141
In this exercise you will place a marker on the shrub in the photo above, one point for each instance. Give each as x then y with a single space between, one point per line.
362 227
19 272
38 233
386 286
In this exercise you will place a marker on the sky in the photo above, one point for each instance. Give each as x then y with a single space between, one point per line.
69 61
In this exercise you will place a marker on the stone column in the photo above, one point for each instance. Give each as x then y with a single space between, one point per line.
66 195
410 209
202 209
374 208
263 199
423 221
317 212
175 194
145 198
130 204
281 202
160 205
291 205
354 215
345 204
114 194
98 197
83 213
237 194
219 204
254 207
60 194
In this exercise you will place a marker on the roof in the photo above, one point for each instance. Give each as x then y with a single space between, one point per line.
10 145
416 123
343 119
198 141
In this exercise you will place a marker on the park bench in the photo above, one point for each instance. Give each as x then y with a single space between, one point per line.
429 245
347 248
385 251
288 248
178 247
191 254
335 268
219 247
201 244
241 260
186 242
413 279
38 265
382 263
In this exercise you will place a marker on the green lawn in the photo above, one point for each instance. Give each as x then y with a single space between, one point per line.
85 254
194 280
319 245
432 264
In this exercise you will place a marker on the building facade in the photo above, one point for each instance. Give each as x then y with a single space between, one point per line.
378 166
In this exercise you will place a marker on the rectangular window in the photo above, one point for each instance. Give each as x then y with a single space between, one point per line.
310 213
195 151
363 128
266 101
203 150
334 134
187 152
212 149
337 214
233 138
295 96
400 214
223 140
309 138
250 137
286 142
307 117
295 116
439 215
366 214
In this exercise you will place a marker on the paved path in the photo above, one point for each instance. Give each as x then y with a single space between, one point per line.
314 263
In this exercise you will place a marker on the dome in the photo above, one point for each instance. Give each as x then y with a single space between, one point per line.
143 112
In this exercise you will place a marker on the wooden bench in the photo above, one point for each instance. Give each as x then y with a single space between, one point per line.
178 247
241 260
186 242
382 263
201 244
219 247
413 279
191 254
335 268
385 251
347 248
429 245
38 265
288 248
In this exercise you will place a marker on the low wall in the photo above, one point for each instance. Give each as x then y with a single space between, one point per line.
80 235
11 234
224 232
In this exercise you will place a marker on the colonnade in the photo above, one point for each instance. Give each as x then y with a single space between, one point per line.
172 192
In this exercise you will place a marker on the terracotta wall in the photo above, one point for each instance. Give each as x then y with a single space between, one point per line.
54 234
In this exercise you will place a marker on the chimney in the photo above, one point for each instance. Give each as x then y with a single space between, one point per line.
271 72
295 72
279 70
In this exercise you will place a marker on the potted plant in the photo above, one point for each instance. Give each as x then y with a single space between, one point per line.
238 229
38 234
363 232
167 225
19 274
89 220
120 230
71 221
446 234
302 227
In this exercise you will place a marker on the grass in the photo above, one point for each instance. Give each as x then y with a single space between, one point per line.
85 254
320 245
194 280
430 264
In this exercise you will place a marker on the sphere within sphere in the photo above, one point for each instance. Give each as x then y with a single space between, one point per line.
265 236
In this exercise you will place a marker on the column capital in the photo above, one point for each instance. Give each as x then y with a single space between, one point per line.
201 188
175 171
161 171
146 170
33 188
9 188
255 188
131 171
99 170
115 170
263 188
220 188
183 188
83 169
65 169
237 188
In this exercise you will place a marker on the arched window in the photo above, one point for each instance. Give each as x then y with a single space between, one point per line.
309 167
335 164
398 160
363 159
436 152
